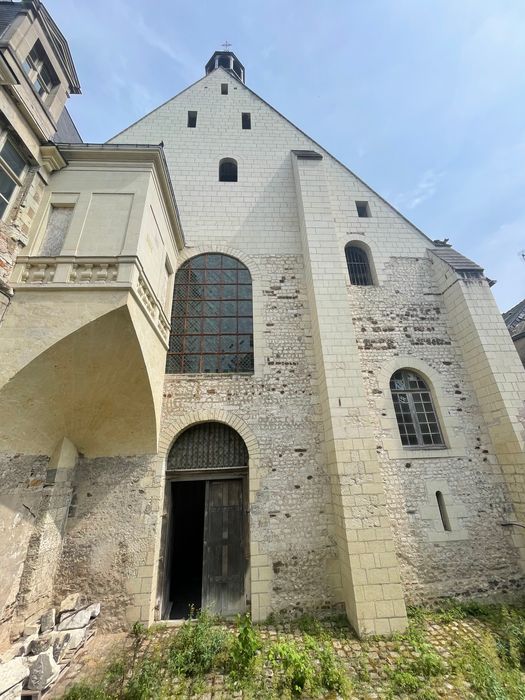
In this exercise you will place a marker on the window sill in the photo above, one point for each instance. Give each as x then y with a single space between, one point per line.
208 375
425 453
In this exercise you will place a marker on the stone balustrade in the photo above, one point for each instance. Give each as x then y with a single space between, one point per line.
74 272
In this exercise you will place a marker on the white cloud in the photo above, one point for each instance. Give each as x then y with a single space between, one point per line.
425 189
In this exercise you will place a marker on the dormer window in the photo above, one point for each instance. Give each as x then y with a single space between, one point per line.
39 71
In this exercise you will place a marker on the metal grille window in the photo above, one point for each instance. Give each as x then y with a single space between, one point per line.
358 266
416 418
210 445
212 320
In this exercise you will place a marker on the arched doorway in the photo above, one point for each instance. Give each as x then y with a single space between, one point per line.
206 531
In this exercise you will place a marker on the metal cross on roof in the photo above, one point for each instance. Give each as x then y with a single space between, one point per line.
226 45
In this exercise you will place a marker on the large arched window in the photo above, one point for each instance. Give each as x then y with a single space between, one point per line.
416 417
358 265
212 324
228 170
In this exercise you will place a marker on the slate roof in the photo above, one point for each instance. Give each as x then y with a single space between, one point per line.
66 131
516 316
8 11
457 261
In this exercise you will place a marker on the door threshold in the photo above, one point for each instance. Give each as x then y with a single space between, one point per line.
178 622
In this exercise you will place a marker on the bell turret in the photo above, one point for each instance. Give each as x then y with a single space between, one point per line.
227 60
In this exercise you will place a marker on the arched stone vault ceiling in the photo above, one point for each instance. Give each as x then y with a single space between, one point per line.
91 386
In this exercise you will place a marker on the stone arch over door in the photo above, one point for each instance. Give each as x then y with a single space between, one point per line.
260 566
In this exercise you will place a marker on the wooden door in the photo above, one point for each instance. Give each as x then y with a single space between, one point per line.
166 550
224 548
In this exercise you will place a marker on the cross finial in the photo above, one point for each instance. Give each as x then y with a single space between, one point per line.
226 45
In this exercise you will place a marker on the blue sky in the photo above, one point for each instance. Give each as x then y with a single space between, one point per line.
423 99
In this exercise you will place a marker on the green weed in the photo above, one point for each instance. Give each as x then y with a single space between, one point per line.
245 647
198 648
293 667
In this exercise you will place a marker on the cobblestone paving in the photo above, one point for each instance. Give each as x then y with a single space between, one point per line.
369 662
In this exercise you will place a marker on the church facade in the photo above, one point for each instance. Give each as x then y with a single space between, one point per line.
236 377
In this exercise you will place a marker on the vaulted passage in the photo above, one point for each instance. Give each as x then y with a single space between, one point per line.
206 530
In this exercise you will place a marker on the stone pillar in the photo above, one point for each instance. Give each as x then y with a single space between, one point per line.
370 573
45 545
496 373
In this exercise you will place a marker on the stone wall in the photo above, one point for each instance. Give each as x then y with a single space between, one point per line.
110 535
290 515
15 229
22 482
403 323
403 319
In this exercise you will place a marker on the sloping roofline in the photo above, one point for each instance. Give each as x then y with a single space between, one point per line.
418 230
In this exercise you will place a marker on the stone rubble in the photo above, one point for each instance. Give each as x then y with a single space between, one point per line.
37 659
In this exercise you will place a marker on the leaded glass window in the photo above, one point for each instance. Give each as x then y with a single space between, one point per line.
358 266
416 417
212 320
210 445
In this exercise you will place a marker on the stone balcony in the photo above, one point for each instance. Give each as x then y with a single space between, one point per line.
88 273
84 339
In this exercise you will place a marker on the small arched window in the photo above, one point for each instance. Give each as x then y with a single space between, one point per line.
228 170
416 417
211 324
358 265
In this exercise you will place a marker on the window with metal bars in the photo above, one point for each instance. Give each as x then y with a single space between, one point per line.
212 319
358 265
416 417
210 445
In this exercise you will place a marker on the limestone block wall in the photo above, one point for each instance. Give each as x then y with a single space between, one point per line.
497 376
370 574
404 322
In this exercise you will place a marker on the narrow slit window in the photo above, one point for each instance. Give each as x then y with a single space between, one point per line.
246 120
224 88
363 210
192 120
443 511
